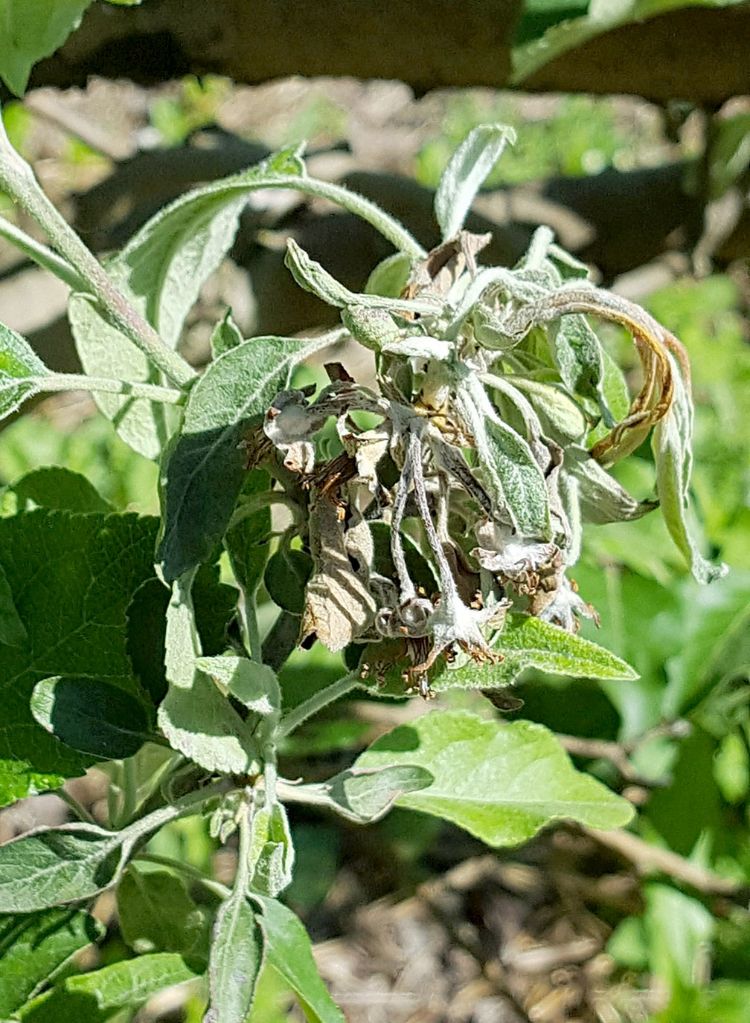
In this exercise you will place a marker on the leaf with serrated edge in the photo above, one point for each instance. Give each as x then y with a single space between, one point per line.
287 948
33 947
202 472
100 995
465 173
501 782
72 578
527 642
21 371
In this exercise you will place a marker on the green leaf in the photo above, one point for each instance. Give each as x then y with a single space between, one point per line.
561 418
34 947
602 498
12 630
287 948
203 470
286 577
157 914
501 782
214 602
31 31
578 355
21 369
91 716
55 487
52 866
254 685
194 716
528 642
671 444
513 478
72 578
235 960
226 335
465 173
98 996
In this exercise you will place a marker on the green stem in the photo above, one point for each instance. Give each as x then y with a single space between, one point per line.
17 179
316 703
136 389
41 255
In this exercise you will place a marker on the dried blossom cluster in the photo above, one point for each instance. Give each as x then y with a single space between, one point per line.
462 479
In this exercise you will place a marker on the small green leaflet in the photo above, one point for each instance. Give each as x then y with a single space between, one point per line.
254 685
203 469
34 946
287 948
501 782
226 335
510 472
98 996
465 173
31 31
21 369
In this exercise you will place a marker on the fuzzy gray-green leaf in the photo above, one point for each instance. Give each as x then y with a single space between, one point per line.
465 173
235 960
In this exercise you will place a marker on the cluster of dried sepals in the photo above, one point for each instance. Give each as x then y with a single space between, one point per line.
478 446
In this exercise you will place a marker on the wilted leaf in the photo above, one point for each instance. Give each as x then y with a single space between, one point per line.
338 607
